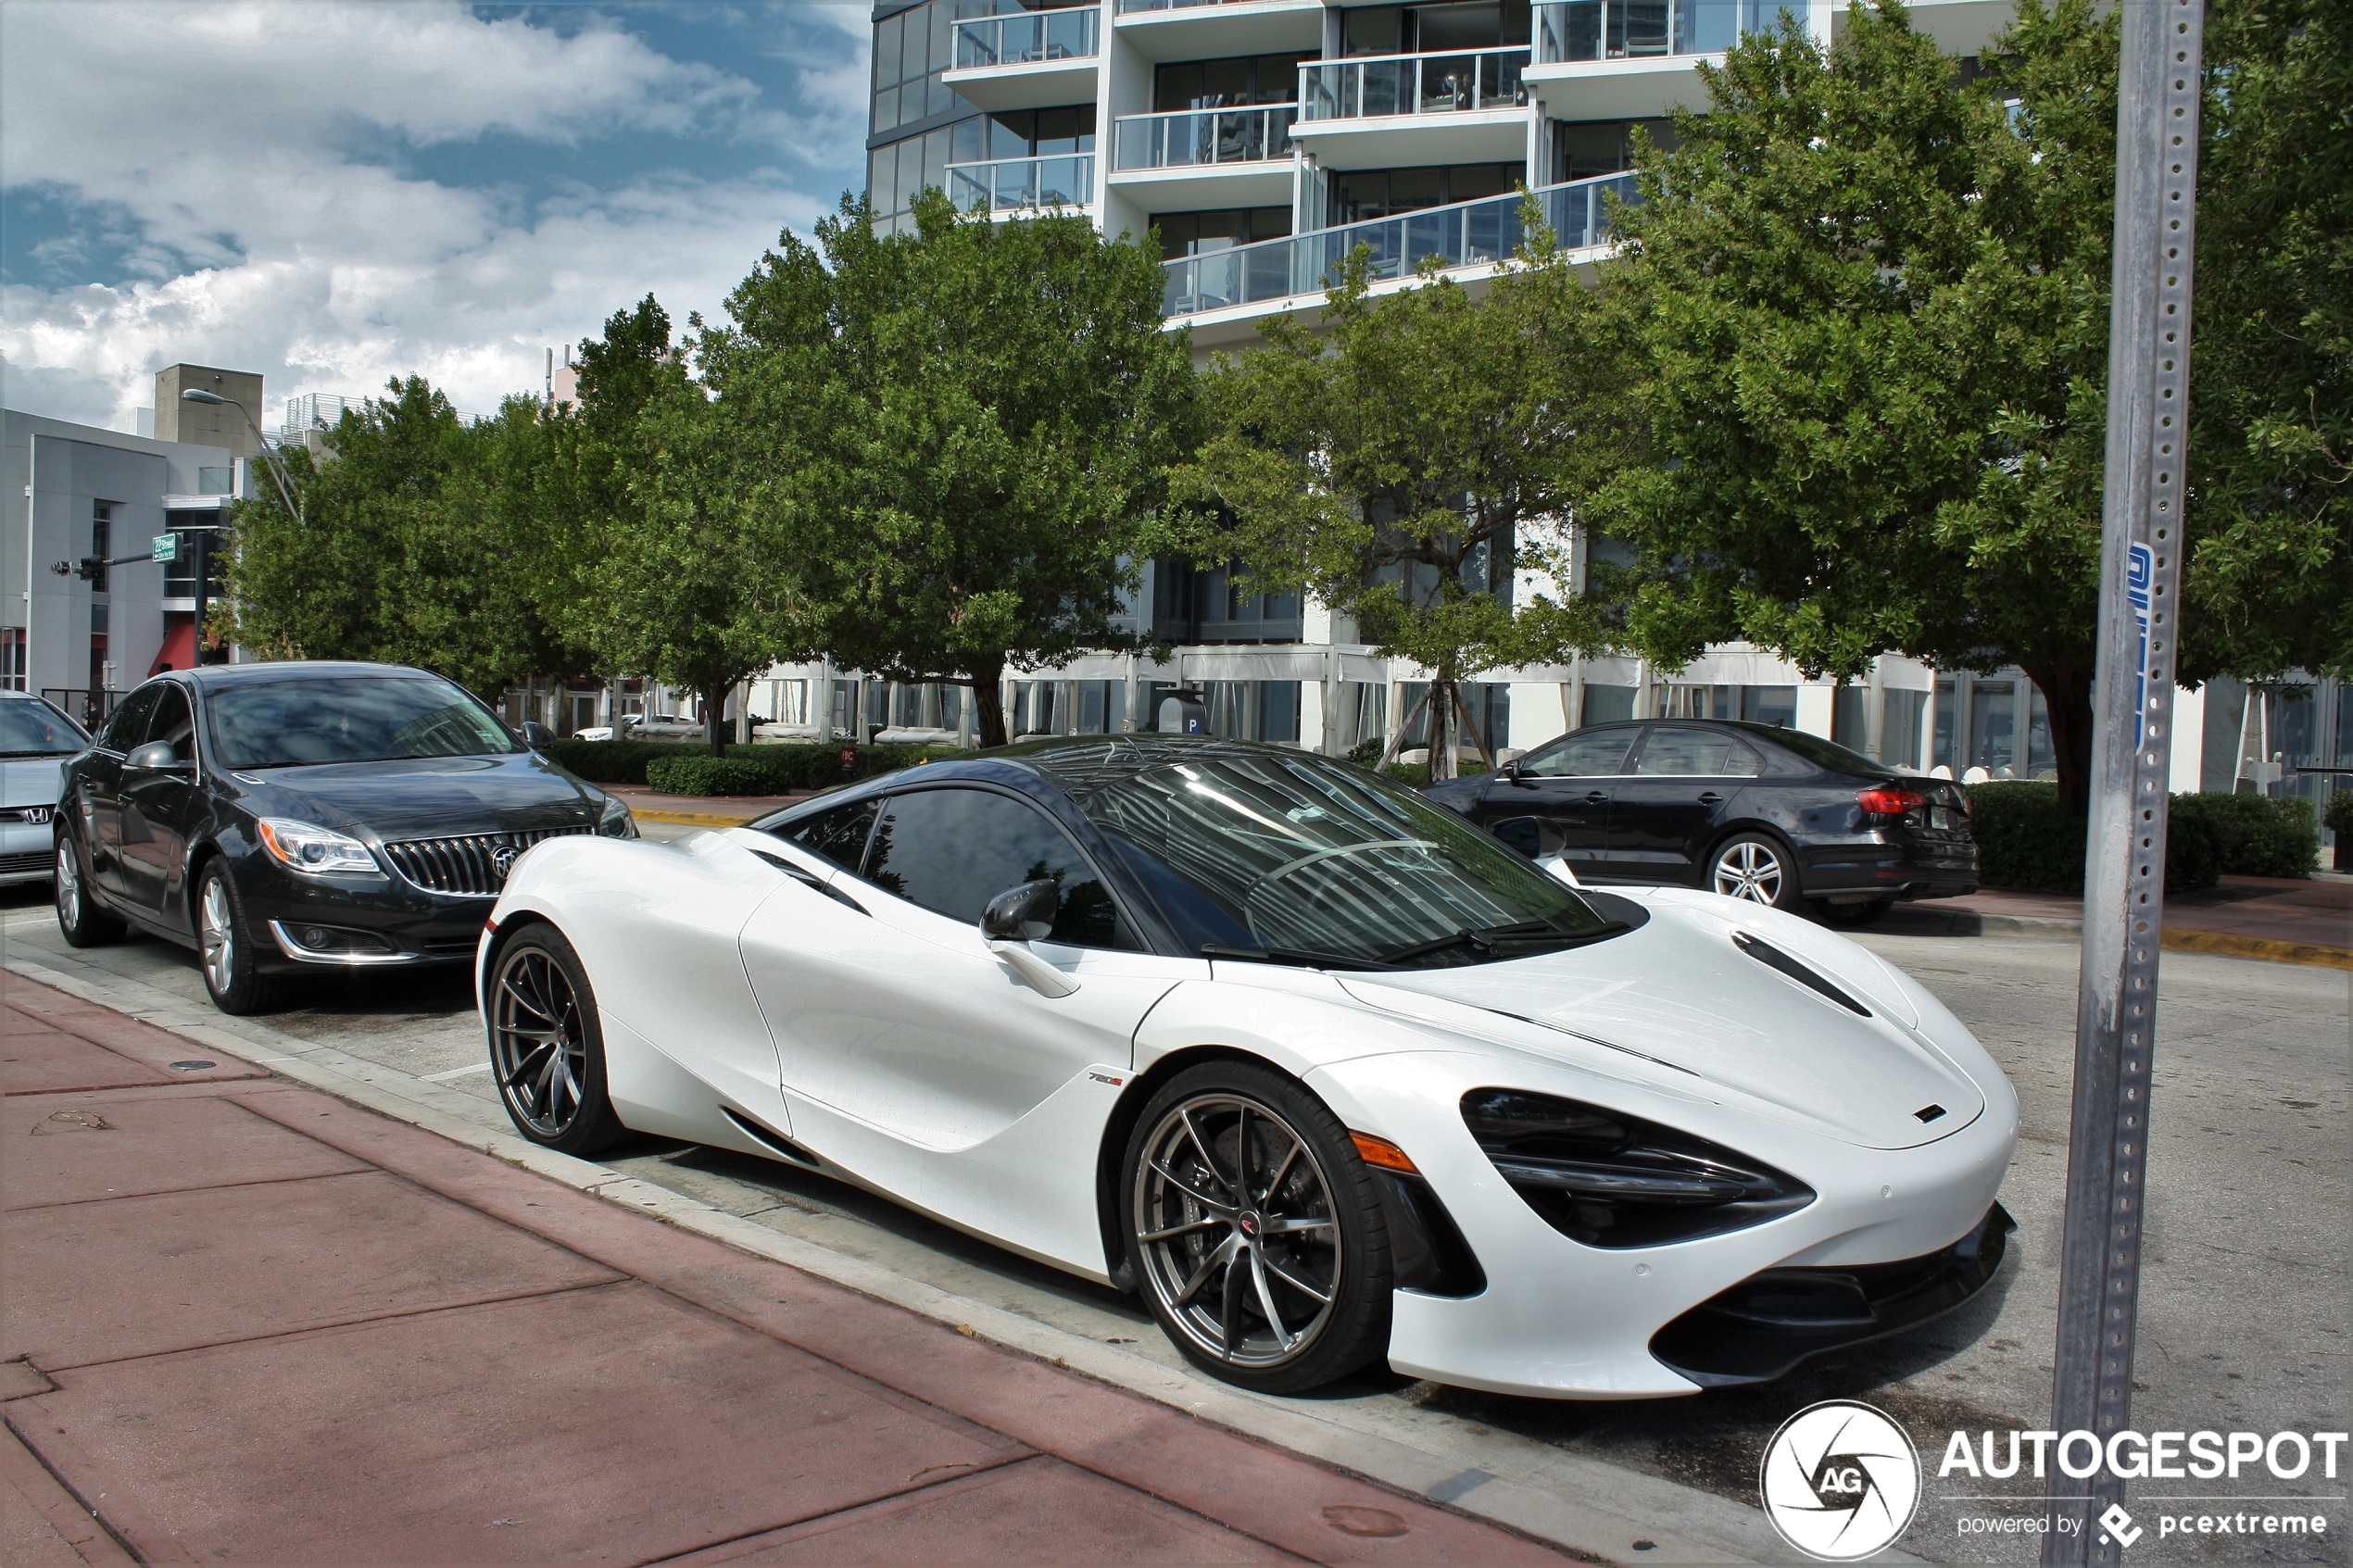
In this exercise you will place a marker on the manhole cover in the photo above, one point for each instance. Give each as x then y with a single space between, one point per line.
192 1066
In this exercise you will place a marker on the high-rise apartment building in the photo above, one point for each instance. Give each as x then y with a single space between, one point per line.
1260 141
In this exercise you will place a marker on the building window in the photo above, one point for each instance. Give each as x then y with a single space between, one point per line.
1407 29
1899 730
1584 149
1364 193
99 669
1216 84
101 541
12 659
1197 233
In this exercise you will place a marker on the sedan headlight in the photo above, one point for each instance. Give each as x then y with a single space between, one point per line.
616 823
314 850
1613 1181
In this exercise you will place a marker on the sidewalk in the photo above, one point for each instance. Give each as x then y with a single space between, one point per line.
247 1320
2282 919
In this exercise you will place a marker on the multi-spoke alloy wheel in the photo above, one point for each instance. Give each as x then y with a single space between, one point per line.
1752 868
82 923
217 934
544 1047
225 948
1254 1232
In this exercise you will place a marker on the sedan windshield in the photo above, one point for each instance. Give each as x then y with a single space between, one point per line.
349 719
1261 855
35 729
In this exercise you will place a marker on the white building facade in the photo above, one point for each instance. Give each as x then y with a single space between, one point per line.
1263 139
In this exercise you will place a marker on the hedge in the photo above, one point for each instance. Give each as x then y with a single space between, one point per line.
707 775
777 769
2025 840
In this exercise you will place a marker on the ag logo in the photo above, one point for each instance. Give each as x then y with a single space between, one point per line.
1840 1481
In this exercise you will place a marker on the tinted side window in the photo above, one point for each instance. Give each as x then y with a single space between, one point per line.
953 850
1581 756
1700 753
174 723
838 834
130 721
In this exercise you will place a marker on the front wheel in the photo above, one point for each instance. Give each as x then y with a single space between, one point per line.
79 919
1751 866
546 1048
1254 1230
226 950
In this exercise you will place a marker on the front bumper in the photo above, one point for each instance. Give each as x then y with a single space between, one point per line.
353 924
27 848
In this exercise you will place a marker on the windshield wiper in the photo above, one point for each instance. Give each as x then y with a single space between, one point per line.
1305 957
1486 939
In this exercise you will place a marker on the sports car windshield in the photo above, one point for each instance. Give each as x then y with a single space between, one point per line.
1256 854
35 729
349 719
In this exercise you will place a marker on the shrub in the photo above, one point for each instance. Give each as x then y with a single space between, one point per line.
617 761
708 775
2337 817
2025 840
784 769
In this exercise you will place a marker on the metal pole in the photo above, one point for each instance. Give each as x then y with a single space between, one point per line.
204 569
2125 878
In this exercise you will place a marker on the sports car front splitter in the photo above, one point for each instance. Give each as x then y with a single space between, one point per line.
1766 1325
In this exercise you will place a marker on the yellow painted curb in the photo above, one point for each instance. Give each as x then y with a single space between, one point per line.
694 819
2258 947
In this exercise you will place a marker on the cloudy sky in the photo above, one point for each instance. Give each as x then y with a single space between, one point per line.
332 194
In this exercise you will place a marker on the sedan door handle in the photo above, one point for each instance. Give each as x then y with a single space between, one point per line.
1709 797
1596 797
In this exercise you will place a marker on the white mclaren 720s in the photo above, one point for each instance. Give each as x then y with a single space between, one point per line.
1322 1072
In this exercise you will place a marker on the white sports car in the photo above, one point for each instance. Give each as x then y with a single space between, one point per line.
1324 1072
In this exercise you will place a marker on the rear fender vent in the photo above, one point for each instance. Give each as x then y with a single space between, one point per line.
783 1146
1764 952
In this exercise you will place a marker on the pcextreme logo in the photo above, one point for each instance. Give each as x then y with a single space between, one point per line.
1839 1480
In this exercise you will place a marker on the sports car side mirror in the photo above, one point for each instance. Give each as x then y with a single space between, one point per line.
1022 913
156 757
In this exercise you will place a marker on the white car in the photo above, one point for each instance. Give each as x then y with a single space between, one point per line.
36 740
659 726
1326 1073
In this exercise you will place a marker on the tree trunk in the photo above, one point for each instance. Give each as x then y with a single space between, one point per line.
714 703
1445 701
1396 742
988 706
2066 685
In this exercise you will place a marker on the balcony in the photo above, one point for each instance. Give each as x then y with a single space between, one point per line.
1026 59
1206 30
1397 110
1205 157
1024 185
1632 59
1478 233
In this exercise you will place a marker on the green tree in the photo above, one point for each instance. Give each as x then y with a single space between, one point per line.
1871 297
976 416
1403 458
2270 573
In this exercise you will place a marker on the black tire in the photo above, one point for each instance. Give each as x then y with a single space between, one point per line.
1230 1268
1755 866
79 919
1869 914
228 949
546 1048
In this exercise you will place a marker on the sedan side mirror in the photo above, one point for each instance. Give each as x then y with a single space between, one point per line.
537 736
1022 913
156 757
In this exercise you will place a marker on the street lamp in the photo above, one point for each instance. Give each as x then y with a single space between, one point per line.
277 469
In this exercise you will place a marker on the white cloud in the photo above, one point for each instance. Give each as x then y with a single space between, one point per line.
257 150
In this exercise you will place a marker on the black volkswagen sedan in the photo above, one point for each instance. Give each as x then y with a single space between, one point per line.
279 818
1751 811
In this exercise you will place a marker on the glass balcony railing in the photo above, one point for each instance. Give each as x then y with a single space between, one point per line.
1633 29
1024 37
1192 137
1464 235
1390 84
1015 185
1127 8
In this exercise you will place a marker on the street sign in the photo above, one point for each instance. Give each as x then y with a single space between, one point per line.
166 547
2141 542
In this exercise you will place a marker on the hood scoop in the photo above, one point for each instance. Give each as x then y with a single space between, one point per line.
1764 952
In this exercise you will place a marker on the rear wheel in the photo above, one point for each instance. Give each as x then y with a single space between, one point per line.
546 1048
1751 866
1254 1230
82 922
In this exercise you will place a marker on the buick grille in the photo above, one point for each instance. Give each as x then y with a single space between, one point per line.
475 866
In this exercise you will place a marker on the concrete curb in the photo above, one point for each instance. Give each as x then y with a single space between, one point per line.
1967 922
1525 1485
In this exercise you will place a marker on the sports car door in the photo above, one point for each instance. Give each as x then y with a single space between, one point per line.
906 1021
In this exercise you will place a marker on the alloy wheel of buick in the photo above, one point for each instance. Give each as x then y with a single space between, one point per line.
216 935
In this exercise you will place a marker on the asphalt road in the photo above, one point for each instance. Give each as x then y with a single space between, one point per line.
2247 1315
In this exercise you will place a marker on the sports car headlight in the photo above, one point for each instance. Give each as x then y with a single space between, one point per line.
617 822
1608 1180
313 850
